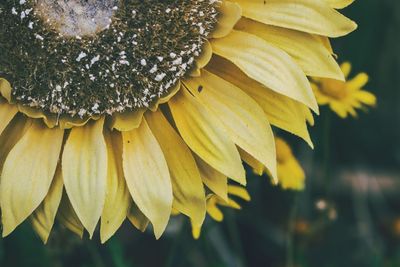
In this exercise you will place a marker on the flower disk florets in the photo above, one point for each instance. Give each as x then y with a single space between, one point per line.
85 58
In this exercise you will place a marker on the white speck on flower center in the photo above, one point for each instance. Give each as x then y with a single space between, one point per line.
81 56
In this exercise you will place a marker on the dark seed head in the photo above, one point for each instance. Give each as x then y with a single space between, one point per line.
90 57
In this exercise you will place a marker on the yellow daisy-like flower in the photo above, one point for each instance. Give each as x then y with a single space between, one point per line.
214 201
344 97
131 108
290 173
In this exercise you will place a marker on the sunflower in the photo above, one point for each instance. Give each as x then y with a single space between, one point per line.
342 97
118 109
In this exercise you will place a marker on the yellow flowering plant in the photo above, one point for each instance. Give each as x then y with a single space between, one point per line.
344 97
111 111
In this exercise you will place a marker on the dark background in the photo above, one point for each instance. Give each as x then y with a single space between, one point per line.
353 176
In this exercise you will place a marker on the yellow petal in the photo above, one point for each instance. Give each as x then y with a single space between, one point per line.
309 53
174 211
205 56
84 169
266 64
326 43
7 113
177 86
213 210
313 16
195 72
322 98
196 231
27 173
147 176
281 111
68 218
137 218
339 109
201 61
49 119
229 14
44 215
231 204
213 179
291 175
5 89
243 119
346 68
366 98
204 135
11 135
188 189
239 191
258 167
67 122
126 121
358 81
309 116
339 4
118 199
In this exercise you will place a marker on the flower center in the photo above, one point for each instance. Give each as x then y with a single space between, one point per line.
77 17
91 57
334 88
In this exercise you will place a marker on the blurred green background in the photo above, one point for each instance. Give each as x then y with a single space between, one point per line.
349 214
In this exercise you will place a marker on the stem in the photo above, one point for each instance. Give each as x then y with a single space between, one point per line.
175 245
95 254
327 146
290 233
235 236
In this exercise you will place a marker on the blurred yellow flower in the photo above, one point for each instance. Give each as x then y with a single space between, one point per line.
344 97
215 212
290 173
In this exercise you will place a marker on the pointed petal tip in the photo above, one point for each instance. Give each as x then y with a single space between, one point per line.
351 27
273 174
90 228
315 108
159 226
104 238
242 180
337 75
91 235
8 226
241 176
311 144
6 232
355 25
199 219
275 179
158 234
308 141
341 77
